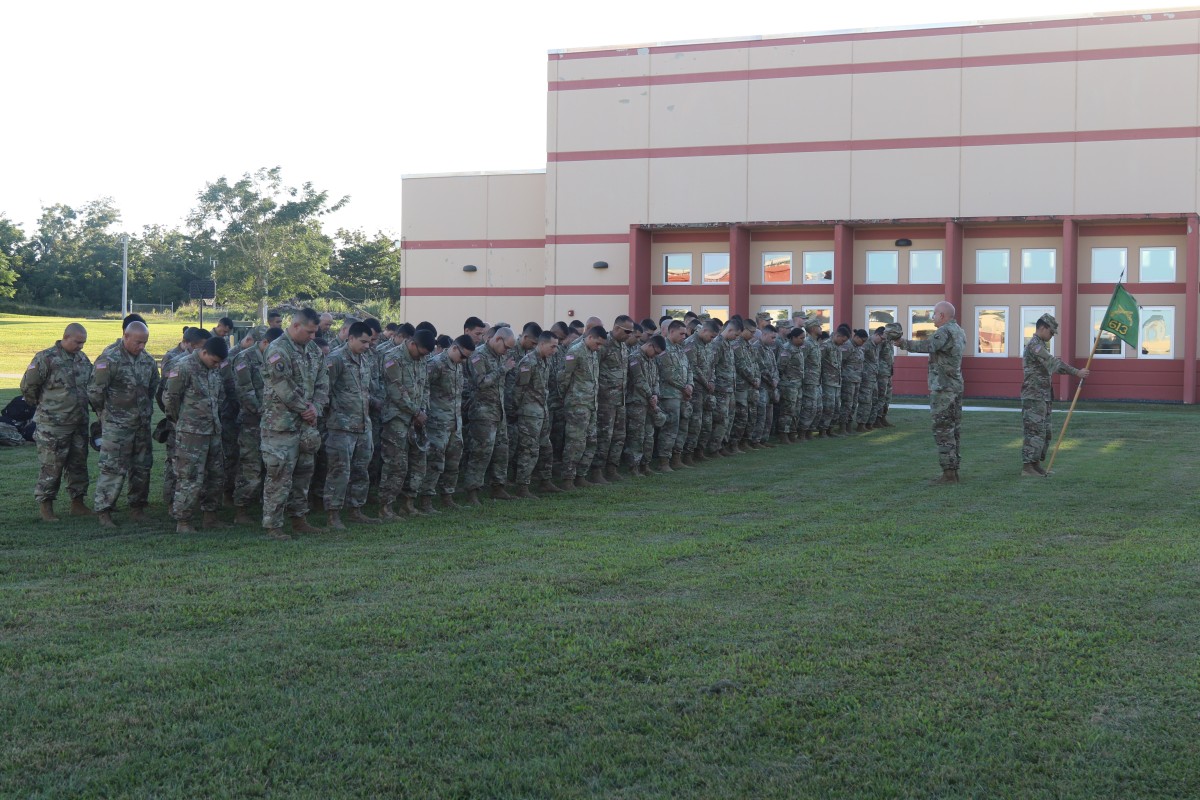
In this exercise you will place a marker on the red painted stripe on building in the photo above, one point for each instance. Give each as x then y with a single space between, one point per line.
862 36
859 145
472 244
936 290
1032 289
588 238
1014 232
891 234
663 290
593 289
874 67
471 291
689 237
1133 288
1133 230
825 235
808 290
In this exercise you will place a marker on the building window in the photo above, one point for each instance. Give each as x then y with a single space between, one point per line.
920 324
925 266
1109 345
825 315
991 266
991 331
818 267
883 266
777 267
880 315
716 312
677 268
778 313
1029 318
1038 266
1108 264
675 312
1157 338
716 267
1158 265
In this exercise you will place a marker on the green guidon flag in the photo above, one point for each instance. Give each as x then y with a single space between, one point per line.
1121 319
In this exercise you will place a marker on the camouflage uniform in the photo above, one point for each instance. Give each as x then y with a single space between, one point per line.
810 403
725 377
883 379
831 383
1037 395
534 453
294 377
169 482
510 404
700 364
766 394
193 400
579 383
406 384
554 403
121 390
642 384
444 425
248 383
945 348
870 381
747 371
486 434
673 376
791 380
853 359
613 360
56 384
230 426
348 443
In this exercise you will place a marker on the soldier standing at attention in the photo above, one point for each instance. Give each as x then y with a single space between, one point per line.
579 384
852 371
193 339
883 380
831 379
870 381
248 383
526 344
791 379
487 434
945 348
748 381
348 443
56 384
725 378
810 403
674 389
195 392
763 350
532 445
444 425
610 401
699 351
641 402
295 386
121 390
1037 393
406 389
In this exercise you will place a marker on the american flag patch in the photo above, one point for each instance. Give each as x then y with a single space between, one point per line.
570 358
389 363
33 365
274 357
173 374
240 366
101 365
524 369
474 359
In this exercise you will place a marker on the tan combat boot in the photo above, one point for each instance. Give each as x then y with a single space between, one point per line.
106 520
138 514
78 509
448 500
882 422
676 462
47 510
596 477
425 505
210 521
473 497
242 517
302 525
277 534
548 487
664 465
947 476
500 493
688 460
334 521
610 472
582 482
1031 471
407 509
523 492
386 514
184 526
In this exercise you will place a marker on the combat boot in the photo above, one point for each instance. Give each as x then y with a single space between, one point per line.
499 493
448 500
882 422
646 471
610 472
596 477
210 521
425 505
386 514
302 525
727 451
568 485
357 515
947 476
582 482
78 509
548 487
277 534
846 431
523 493
106 520
664 465
688 460
334 522
808 435
242 517
184 526
676 462
138 514
1032 471
47 509
407 509
861 427
473 497
318 502
1038 466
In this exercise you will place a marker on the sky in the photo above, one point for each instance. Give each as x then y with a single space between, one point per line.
146 102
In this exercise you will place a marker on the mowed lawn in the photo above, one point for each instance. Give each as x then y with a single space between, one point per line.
807 621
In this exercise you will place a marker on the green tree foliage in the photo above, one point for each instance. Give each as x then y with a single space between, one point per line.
267 237
366 269
12 241
75 258
162 262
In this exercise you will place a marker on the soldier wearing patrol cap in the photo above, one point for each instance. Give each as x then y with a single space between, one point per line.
1037 393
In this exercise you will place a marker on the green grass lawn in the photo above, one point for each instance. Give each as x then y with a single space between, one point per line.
808 621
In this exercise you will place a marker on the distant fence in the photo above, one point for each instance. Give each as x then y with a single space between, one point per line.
152 308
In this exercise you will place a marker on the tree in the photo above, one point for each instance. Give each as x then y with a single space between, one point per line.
75 258
12 240
366 268
267 237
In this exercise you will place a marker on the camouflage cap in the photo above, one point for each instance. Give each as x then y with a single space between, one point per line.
893 331
763 315
812 322
259 332
660 417
1049 321
418 438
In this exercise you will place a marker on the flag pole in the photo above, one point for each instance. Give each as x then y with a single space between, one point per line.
1062 434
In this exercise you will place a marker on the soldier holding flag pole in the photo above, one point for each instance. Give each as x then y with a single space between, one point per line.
1121 320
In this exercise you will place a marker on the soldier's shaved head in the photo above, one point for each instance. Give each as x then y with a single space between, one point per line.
75 329
134 339
73 338
943 312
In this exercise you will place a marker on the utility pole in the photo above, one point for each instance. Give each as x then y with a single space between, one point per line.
124 274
